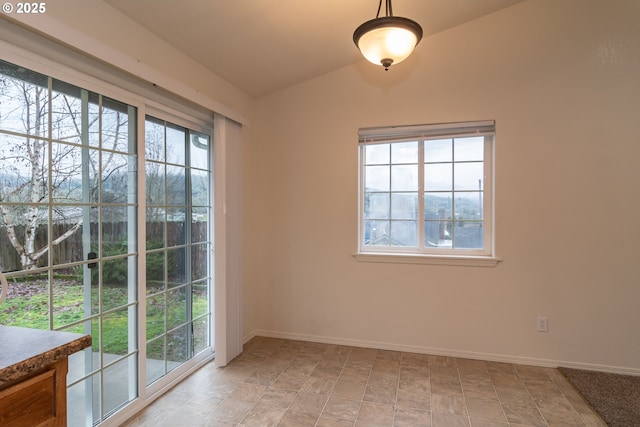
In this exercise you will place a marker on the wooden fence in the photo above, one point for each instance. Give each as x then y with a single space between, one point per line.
114 241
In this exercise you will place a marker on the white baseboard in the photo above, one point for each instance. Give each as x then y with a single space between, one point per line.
519 360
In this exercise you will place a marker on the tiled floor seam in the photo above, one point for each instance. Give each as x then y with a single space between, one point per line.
464 399
393 415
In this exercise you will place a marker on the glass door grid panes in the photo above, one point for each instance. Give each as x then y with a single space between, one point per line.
69 204
178 211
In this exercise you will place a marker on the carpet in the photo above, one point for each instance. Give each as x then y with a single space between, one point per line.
616 398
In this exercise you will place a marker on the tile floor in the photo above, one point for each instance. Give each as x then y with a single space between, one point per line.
283 383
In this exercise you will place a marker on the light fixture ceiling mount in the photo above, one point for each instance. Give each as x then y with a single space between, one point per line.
389 39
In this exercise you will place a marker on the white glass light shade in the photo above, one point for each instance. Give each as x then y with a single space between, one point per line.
387 43
388 40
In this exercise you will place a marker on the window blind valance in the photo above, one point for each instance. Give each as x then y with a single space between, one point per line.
376 135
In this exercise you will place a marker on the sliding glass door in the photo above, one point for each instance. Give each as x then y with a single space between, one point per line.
90 244
178 236
69 200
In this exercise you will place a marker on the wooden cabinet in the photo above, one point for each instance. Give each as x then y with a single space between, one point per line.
33 375
37 400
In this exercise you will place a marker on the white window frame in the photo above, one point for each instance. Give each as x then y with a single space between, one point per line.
421 254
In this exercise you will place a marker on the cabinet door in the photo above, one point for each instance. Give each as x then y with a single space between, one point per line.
36 401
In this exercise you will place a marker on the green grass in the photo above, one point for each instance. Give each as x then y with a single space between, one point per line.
28 312
28 307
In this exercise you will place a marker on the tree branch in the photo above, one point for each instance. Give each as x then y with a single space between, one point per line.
35 256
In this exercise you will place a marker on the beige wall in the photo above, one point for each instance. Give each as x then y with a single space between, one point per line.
561 80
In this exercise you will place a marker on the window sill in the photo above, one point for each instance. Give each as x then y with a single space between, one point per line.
467 261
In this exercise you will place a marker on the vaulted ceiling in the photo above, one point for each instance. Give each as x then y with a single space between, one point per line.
262 46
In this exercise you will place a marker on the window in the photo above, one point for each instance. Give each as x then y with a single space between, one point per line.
427 190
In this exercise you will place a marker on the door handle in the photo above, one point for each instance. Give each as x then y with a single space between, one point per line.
92 255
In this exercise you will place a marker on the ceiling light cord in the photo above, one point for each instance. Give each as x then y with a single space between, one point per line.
388 9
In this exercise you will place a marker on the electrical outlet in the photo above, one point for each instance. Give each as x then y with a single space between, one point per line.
541 324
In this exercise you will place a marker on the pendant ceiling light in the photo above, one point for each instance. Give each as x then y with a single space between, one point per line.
389 39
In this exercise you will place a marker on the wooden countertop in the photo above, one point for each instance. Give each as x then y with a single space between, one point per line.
24 351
